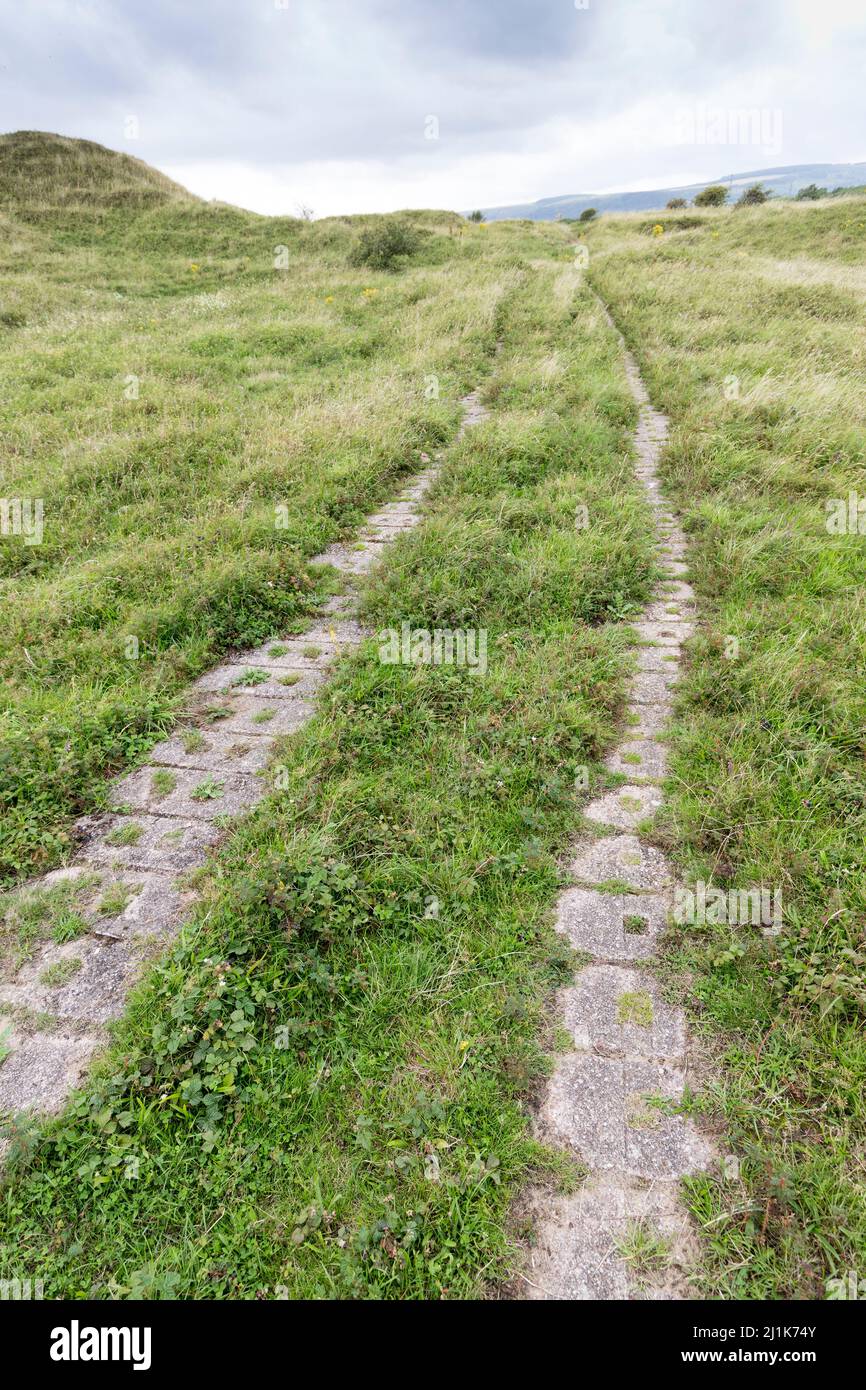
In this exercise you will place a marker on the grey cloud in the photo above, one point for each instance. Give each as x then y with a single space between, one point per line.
246 81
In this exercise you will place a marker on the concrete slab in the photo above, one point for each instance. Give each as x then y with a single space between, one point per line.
581 1242
639 758
292 653
266 682
250 715
619 1011
625 807
166 844
212 750
41 1070
95 993
355 558
646 721
675 591
654 688
617 1115
622 858
663 609
661 659
671 633
236 792
612 926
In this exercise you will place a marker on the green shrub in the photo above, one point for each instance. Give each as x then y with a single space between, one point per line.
811 193
384 245
751 197
713 196
476 216
675 203
588 214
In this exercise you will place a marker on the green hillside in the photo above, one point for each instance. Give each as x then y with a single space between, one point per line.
203 399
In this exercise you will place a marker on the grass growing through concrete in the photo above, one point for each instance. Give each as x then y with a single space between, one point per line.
321 1091
750 329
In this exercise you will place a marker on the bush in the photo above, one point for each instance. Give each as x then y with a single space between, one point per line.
712 197
676 203
476 216
588 214
751 197
384 244
811 193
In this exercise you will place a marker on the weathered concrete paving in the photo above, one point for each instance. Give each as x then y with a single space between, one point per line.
167 815
614 1099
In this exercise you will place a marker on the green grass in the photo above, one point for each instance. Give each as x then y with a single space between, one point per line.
321 1090
60 973
644 1249
751 331
30 918
198 424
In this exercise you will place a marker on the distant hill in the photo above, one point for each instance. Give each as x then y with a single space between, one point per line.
785 182
41 174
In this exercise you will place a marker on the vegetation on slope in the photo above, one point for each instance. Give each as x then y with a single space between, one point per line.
320 1092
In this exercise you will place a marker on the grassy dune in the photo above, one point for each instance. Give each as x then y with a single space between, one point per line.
751 331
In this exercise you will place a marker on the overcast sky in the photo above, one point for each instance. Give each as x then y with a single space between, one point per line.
372 105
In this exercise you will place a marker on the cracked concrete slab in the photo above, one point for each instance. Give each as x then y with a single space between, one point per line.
166 844
235 792
212 750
